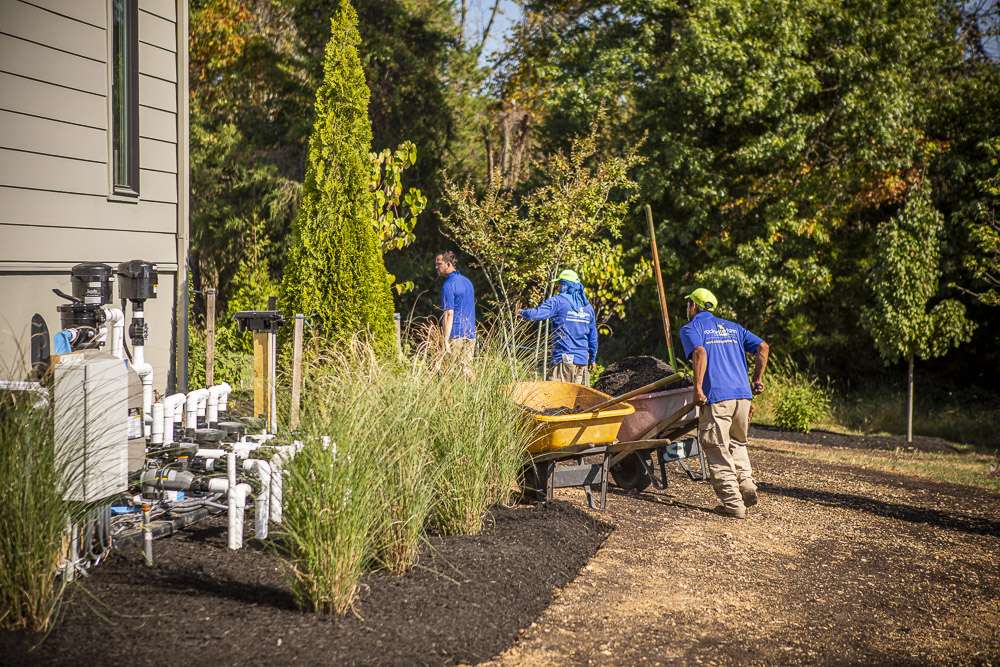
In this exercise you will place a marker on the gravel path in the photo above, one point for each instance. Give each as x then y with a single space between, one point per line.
835 565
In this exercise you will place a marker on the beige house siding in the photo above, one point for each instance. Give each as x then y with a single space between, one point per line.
55 178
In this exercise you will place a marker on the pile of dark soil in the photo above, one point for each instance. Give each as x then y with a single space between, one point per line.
921 443
634 372
465 601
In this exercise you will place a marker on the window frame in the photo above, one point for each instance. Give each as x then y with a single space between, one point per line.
128 192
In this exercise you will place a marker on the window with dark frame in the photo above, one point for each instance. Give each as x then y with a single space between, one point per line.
125 97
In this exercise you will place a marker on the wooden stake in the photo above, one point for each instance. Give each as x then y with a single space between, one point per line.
293 420
209 336
664 313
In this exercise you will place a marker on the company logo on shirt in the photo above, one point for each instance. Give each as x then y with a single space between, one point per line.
578 316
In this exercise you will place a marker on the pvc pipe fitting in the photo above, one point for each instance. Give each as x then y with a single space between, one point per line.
156 438
218 396
115 321
191 406
263 500
171 408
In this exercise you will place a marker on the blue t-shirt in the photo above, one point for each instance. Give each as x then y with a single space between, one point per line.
727 345
457 294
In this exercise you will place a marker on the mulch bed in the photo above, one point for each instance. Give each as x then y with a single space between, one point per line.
465 601
827 438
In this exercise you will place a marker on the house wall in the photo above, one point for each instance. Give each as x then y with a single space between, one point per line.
55 178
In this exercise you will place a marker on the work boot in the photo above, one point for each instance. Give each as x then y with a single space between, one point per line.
733 512
749 492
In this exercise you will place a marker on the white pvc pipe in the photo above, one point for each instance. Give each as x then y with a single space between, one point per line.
211 453
115 321
191 406
262 502
145 372
157 423
171 407
217 396
237 497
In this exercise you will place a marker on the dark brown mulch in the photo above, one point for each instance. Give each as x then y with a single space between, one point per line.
202 604
634 372
889 442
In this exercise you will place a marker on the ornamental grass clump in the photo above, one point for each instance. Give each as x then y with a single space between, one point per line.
411 445
481 440
33 515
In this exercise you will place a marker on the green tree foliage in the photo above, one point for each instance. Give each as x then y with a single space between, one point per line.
521 239
904 282
334 266
396 212
778 135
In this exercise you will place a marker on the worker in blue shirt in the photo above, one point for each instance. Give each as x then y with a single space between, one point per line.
458 304
718 350
574 351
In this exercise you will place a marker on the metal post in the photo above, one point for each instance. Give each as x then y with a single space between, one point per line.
909 403
293 419
209 336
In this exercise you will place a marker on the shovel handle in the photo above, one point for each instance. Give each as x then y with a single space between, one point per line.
652 386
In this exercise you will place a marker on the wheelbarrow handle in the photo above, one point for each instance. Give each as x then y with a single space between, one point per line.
652 386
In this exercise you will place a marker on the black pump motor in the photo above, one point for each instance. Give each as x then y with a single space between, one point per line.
93 283
138 280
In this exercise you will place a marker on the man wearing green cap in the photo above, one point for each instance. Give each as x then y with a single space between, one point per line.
717 348
574 350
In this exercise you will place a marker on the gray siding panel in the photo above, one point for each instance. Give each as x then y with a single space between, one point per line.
94 12
46 172
156 124
44 64
68 244
165 9
157 93
157 186
157 62
52 137
47 100
59 209
158 32
158 155
37 25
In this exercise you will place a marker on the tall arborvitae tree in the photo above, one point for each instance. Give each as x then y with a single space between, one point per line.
335 266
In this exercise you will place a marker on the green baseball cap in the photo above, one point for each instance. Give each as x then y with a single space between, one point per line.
568 274
703 298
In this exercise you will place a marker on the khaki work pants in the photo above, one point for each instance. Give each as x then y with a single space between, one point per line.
462 352
570 372
722 432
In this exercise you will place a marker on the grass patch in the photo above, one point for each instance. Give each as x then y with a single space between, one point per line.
971 468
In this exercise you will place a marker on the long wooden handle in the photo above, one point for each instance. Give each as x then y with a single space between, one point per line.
660 289
652 386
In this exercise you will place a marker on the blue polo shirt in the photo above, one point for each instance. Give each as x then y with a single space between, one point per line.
457 294
727 345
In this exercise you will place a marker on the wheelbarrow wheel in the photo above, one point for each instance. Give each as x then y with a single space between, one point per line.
630 473
533 482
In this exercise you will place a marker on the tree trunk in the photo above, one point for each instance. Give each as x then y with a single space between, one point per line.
909 403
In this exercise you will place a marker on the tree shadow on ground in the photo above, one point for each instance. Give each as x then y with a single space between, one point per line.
949 520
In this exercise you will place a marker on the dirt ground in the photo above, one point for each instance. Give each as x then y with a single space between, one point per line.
836 564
